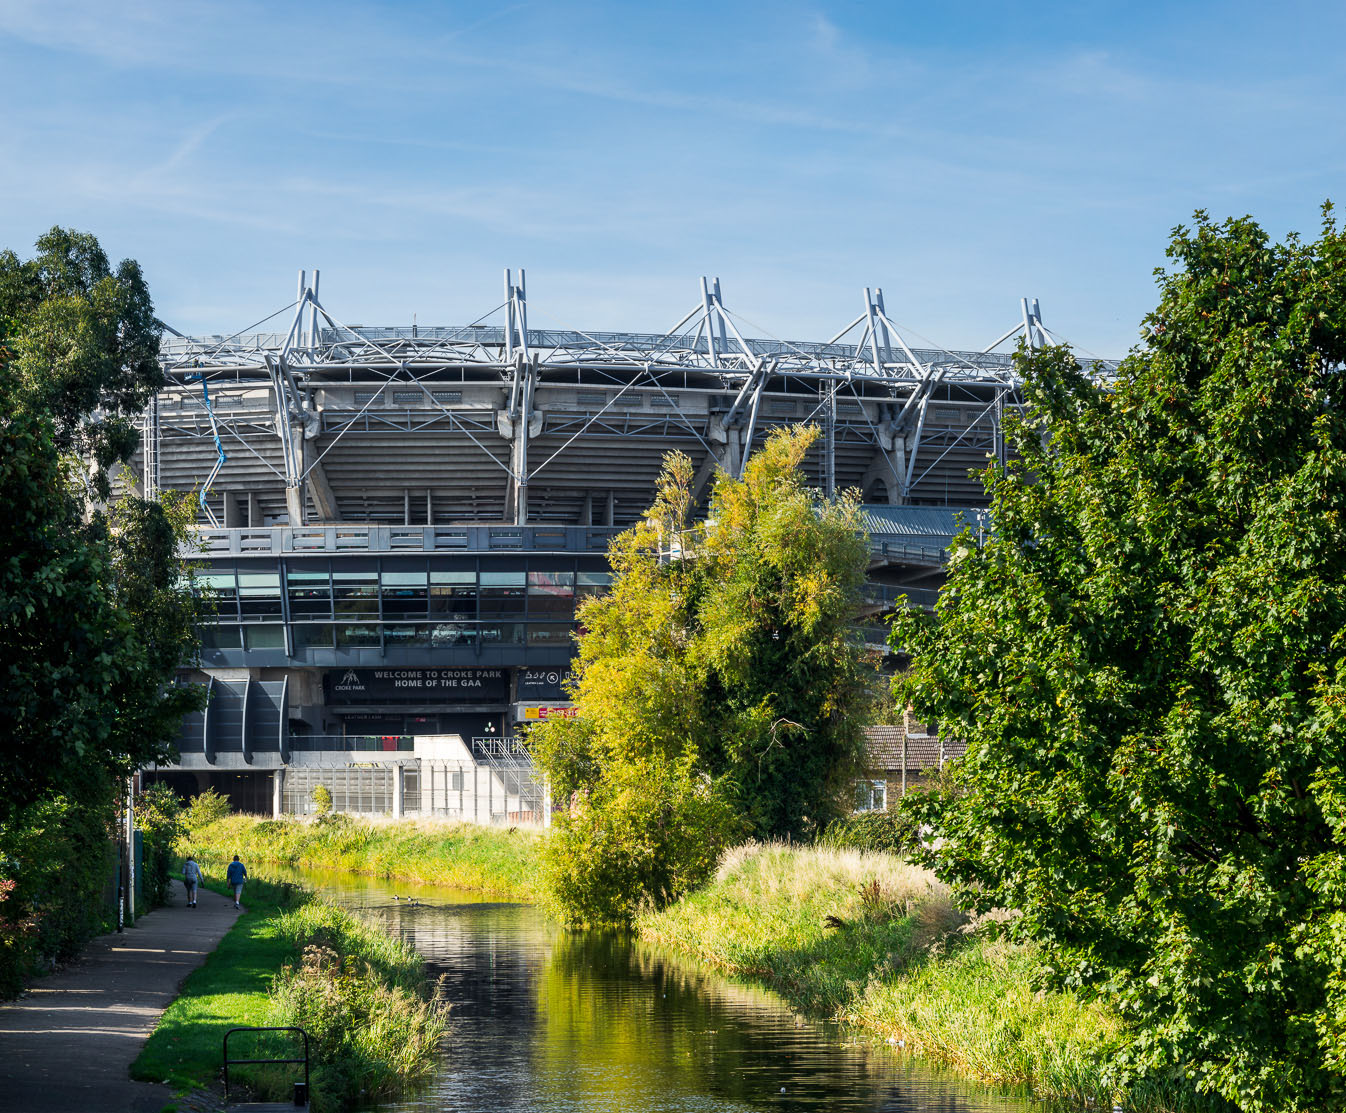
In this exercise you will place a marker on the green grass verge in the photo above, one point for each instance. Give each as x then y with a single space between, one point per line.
458 855
291 959
868 939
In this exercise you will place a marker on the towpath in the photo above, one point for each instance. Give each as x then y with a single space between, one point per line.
67 1047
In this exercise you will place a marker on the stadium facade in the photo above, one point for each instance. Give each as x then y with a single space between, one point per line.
398 522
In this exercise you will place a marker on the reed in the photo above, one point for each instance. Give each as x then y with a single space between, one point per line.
459 855
875 942
291 959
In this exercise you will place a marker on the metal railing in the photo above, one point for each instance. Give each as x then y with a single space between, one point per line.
383 539
300 1088
363 743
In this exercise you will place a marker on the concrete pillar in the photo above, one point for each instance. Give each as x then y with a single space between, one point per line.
233 513
254 511
397 792
277 793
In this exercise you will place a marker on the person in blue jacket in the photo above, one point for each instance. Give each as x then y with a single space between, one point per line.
191 878
235 874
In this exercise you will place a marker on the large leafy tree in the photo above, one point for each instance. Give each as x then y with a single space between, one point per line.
95 616
1147 659
84 344
94 619
720 690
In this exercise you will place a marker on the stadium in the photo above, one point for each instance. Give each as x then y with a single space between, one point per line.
397 522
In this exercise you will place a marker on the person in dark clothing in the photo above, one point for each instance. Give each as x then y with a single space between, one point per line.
235 874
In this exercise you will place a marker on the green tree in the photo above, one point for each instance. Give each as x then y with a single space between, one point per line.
720 689
159 817
1147 661
96 615
83 338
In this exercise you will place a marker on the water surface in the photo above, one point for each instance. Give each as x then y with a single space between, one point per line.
554 1021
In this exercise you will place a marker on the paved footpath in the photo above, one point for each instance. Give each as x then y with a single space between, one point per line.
67 1047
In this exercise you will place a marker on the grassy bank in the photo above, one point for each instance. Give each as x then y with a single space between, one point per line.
290 959
875 942
460 855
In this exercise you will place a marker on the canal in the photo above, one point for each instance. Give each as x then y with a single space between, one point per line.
550 1021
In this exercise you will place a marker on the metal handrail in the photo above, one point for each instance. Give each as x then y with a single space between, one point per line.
245 1062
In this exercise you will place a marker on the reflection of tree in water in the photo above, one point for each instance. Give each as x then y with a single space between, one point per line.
545 1019
488 979
652 1026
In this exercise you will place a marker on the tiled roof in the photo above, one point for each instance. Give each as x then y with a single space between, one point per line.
883 745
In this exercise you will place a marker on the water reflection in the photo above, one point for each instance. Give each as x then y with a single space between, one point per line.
553 1021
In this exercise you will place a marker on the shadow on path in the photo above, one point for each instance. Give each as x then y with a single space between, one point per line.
67 1047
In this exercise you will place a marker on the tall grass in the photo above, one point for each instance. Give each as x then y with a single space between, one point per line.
293 960
459 855
877 943
360 995
816 924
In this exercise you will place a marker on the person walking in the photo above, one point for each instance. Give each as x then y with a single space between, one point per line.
235 874
191 877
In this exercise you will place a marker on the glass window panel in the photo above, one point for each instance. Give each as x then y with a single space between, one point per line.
312 637
550 581
593 583
406 635
502 579
259 594
549 633
219 637
310 593
871 796
551 594
357 637
263 607
503 594
258 583
404 594
355 593
454 600
454 576
264 637
502 633
445 634
224 589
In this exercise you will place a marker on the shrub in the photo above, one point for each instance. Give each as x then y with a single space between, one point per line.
645 836
204 809
59 854
322 799
360 996
891 832
159 818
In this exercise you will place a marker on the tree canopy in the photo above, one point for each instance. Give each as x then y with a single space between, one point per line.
1147 661
83 340
94 616
720 689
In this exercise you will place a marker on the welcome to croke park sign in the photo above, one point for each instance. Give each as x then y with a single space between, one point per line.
362 686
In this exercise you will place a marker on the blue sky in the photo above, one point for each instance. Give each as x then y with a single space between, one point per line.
958 155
